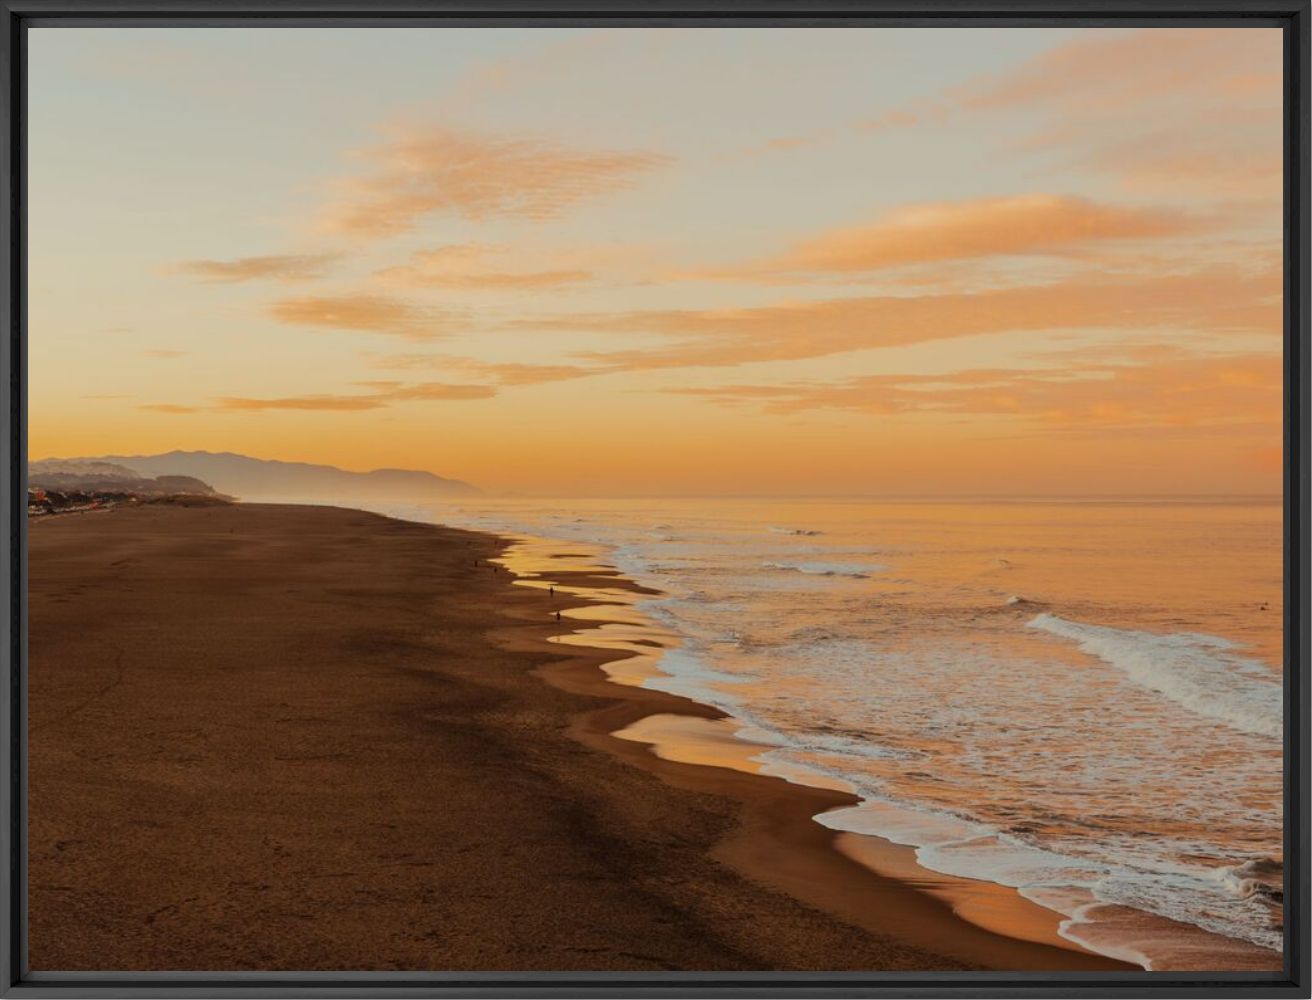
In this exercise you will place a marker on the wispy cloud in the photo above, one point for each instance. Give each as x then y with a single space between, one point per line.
318 401
1221 299
283 268
527 72
932 110
1174 391
1164 111
474 266
1239 160
1167 110
426 391
371 313
383 394
501 372
1037 224
477 176
1115 71
175 408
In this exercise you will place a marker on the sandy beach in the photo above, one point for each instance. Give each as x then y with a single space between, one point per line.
276 737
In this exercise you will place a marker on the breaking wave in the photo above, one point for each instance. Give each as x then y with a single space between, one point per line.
1201 673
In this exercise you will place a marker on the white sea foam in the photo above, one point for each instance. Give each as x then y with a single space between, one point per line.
1065 883
1201 673
796 531
825 569
1257 877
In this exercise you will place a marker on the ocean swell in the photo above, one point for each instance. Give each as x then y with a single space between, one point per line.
1201 673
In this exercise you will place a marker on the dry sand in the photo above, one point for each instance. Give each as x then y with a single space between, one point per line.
275 737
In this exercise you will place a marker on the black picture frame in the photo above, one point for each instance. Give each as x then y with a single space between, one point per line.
1291 16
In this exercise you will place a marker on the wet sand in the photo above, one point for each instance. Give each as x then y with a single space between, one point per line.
274 737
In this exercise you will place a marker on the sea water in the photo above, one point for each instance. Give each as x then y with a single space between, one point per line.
1079 700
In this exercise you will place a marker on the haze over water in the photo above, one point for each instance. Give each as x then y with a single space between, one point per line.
1078 699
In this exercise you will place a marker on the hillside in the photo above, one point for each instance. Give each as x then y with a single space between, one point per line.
97 476
266 479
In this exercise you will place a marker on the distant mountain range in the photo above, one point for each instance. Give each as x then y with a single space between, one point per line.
78 475
262 479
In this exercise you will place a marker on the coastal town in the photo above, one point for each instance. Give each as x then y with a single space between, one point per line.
58 486
43 502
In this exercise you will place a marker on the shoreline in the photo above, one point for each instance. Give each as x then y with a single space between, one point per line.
687 733
779 841
271 737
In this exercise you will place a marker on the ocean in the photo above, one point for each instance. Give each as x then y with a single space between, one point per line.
1078 700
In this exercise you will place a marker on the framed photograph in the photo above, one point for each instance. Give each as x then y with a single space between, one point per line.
670 499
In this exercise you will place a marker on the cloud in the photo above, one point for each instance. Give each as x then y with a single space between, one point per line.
923 111
1168 110
1168 114
1111 71
473 266
372 313
508 373
1219 299
789 143
476 176
169 408
1240 160
440 390
1238 391
944 231
920 113
285 268
501 372
385 394
314 402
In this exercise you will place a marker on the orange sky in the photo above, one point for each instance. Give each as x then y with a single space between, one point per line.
667 262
